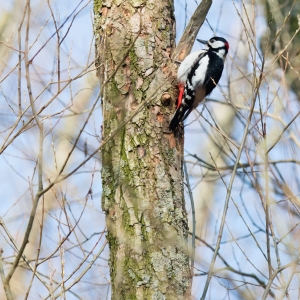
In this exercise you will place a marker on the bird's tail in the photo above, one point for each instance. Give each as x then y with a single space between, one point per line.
178 117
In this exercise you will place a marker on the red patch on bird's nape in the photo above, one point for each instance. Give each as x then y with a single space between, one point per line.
227 46
180 96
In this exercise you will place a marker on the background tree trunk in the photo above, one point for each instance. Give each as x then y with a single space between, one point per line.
142 164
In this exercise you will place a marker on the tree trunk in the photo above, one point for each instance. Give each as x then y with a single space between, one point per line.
141 164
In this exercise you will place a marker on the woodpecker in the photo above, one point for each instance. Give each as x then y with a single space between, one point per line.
198 75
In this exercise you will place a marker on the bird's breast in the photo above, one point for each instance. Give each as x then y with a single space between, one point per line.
200 94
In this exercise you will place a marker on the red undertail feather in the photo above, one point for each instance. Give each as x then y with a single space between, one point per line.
180 96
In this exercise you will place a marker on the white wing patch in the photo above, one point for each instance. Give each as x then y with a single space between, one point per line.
199 76
187 64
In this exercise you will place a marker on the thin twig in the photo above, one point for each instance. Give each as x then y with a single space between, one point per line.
20 62
57 45
281 134
28 81
64 239
231 269
5 285
33 210
278 270
284 291
86 269
267 203
38 251
244 165
61 26
23 256
193 217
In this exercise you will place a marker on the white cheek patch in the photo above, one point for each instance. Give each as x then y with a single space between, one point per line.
217 44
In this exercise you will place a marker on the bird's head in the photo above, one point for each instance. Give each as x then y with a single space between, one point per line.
217 44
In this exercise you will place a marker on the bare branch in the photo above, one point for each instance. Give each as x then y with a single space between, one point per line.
190 33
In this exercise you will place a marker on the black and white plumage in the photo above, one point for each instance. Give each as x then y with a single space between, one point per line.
198 75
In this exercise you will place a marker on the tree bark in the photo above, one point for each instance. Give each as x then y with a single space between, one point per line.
142 164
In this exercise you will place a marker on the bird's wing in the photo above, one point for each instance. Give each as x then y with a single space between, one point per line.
195 81
187 64
197 75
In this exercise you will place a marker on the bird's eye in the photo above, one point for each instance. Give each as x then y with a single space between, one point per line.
212 41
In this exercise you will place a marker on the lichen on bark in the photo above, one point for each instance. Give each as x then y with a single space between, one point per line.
142 165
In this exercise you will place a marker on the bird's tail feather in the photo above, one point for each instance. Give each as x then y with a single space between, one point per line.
178 117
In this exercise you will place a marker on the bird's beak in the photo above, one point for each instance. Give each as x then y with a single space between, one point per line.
202 42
